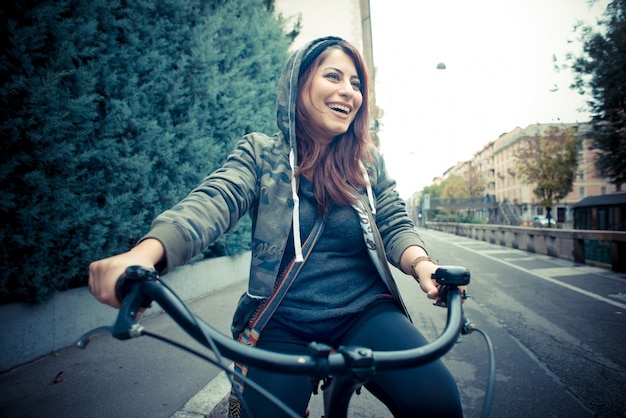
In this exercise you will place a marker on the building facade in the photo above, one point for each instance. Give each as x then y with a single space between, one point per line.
496 163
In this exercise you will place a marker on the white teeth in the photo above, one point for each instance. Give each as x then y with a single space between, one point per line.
340 108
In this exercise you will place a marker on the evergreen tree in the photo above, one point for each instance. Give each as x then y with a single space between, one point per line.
112 111
601 70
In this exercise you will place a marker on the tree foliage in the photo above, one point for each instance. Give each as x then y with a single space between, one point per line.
434 190
111 112
454 186
549 162
601 72
475 181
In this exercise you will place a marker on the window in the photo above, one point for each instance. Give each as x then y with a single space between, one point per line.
581 192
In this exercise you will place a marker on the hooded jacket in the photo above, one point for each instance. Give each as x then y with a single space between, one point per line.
258 178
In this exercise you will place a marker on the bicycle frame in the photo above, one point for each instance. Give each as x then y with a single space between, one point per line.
350 366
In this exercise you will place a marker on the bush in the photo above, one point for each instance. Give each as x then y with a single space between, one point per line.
112 111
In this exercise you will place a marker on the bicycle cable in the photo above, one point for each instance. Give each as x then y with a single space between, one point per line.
218 361
492 372
229 372
467 328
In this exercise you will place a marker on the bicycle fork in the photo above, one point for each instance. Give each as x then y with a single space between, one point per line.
338 393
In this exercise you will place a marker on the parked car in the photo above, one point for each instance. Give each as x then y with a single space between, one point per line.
542 221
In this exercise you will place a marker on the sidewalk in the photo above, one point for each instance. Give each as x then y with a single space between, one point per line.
134 378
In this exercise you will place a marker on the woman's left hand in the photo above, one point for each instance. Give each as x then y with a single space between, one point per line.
425 271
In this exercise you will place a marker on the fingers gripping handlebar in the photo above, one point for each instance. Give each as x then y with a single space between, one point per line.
132 299
133 274
453 276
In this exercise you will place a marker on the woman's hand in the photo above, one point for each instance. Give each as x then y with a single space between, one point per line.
103 274
430 286
423 271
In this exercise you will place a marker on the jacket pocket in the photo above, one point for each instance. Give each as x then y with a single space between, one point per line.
246 307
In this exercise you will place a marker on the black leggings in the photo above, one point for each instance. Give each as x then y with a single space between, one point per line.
425 391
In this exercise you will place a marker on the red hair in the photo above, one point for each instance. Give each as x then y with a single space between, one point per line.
335 171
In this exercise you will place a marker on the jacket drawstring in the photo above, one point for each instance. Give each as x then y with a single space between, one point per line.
297 241
370 194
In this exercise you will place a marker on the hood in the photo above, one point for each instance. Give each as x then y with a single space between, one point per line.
286 100
287 95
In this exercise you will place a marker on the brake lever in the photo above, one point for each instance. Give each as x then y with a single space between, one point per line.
126 326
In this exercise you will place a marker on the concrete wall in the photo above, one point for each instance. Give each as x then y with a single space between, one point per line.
30 331
563 243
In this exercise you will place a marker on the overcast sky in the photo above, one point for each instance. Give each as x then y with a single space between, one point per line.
500 75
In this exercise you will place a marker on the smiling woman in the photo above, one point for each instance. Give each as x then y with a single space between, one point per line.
320 178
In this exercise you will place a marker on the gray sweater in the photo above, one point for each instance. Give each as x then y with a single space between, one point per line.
338 280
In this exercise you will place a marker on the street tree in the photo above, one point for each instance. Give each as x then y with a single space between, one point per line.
549 162
475 181
434 190
600 71
455 186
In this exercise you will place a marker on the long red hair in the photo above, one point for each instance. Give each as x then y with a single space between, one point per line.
335 171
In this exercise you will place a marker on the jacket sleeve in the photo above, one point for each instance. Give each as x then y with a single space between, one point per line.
396 227
211 208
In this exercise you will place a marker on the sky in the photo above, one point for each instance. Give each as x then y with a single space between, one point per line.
499 75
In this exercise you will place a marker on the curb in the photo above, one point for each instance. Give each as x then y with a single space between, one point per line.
210 402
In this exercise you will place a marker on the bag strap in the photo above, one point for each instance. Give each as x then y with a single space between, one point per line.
262 316
264 313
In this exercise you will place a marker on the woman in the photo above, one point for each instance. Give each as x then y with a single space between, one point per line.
320 173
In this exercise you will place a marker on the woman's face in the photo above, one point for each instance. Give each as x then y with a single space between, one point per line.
332 97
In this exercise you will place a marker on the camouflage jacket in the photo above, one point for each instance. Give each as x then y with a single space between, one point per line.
256 179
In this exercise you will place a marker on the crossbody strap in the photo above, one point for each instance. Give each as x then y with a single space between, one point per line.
269 306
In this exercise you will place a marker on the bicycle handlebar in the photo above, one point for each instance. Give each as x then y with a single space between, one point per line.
139 286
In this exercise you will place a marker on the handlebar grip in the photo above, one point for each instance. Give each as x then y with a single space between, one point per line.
451 276
132 275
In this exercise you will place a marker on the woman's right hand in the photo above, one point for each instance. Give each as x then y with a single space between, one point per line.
103 274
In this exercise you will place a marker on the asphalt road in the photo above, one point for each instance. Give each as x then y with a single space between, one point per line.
558 330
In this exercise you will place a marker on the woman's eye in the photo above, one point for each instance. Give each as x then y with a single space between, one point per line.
356 85
333 76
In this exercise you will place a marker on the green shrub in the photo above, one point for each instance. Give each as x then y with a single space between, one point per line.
111 112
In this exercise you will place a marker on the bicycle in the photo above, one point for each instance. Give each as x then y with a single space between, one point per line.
351 366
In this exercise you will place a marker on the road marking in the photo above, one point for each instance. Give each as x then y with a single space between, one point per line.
567 271
541 274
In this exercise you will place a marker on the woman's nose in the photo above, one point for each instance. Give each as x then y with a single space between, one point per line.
347 89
